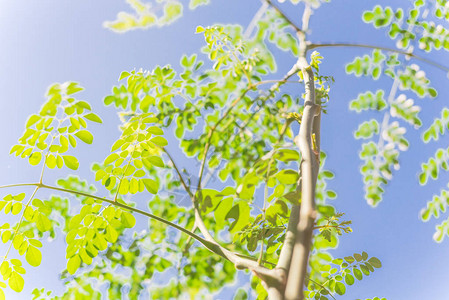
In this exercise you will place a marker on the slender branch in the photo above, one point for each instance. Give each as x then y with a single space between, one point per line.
211 246
240 261
186 187
279 11
316 133
327 226
402 52
212 131
254 20
323 287
283 80
307 214
255 259
17 184
188 244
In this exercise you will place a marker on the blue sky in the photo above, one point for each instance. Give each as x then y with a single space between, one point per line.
55 41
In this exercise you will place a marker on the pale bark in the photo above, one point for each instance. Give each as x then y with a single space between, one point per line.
307 213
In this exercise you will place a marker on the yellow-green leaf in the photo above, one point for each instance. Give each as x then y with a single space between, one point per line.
33 256
128 219
150 185
71 162
159 141
16 282
85 136
73 264
35 158
93 117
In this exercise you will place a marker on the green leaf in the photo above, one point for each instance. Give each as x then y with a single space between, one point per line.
199 29
364 269
150 185
73 264
375 262
6 235
358 274
16 208
127 219
241 214
194 4
358 257
349 259
340 288
432 92
287 176
85 136
124 74
33 256
35 158
71 162
111 234
117 144
160 141
368 16
93 117
84 105
349 279
42 222
331 194
73 88
16 282
156 161
364 255
16 262
32 120
155 130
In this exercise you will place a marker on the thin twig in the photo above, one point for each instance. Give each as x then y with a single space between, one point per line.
323 287
186 187
17 185
402 52
255 19
279 11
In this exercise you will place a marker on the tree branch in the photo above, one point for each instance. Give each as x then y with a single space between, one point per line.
283 15
323 287
409 54
254 20
240 261
17 185
307 213
289 241
211 246
186 187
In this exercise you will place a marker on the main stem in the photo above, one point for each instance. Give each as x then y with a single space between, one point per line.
307 213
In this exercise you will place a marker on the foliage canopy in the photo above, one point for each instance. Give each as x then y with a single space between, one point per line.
231 112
